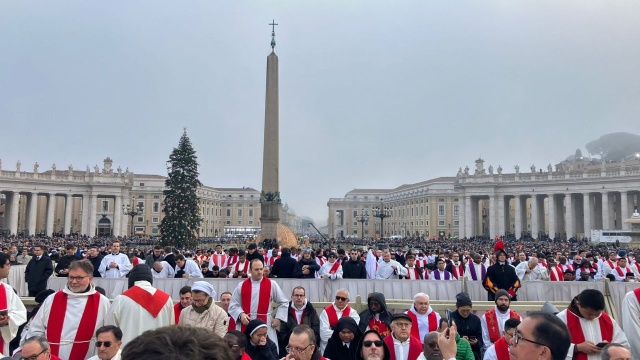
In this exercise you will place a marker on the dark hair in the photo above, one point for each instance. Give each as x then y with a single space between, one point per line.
592 299
180 258
298 288
242 340
605 350
511 324
552 332
3 259
157 247
305 329
285 251
227 292
117 333
242 253
185 289
177 342
83 264
69 247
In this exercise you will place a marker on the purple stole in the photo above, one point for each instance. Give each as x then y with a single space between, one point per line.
436 275
472 270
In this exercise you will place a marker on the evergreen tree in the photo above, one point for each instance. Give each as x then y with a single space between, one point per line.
181 207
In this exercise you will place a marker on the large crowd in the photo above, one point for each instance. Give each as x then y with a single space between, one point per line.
79 322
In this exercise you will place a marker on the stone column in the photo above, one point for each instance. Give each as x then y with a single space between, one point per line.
51 208
586 208
13 215
518 206
68 206
461 219
493 218
93 204
469 220
568 217
605 211
117 216
624 211
501 216
33 213
85 215
551 202
535 228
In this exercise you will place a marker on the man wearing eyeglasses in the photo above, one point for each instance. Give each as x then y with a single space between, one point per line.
237 343
301 312
590 326
423 317
70 317
108 343
302 345
332 269
37 348
402 345
372 347
332 313
500 350
541 336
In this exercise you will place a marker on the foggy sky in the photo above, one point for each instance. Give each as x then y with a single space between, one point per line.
373 94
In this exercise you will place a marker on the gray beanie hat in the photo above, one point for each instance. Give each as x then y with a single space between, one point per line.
502 292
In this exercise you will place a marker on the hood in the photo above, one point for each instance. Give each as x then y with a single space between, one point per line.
346 322
379 297
387 354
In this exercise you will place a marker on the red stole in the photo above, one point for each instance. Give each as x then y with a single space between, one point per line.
379 326
3 306
177 309
415 347
245 268
332 314
432 318
502 349
577 336
295 317
494 327
136 261
611 265
334 268
618 269
219 259
458 271
555 274
264 299
232 324
85 329
153 303
416 274
232 260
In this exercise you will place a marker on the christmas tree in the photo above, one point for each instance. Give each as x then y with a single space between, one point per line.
180 207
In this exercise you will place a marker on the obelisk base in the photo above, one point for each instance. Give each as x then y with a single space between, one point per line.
269 220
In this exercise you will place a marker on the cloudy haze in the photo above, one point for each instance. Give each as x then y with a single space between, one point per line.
372 93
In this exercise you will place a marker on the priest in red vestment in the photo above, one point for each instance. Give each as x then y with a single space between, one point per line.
402 345
500 350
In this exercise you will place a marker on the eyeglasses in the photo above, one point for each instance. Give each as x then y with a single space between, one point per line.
77 278
510 334
402 325
34 357
298 295
294 350
368 343
517 337
105 343
233 346
340 298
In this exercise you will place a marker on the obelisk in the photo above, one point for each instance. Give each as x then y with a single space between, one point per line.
270 197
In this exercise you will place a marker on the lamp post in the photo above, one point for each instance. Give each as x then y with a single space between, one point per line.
132 210
361 219
381 213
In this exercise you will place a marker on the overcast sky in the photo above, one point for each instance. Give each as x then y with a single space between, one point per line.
373 94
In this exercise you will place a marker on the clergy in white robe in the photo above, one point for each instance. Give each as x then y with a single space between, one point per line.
331 314
70 306
631 320
187 268
115 265
142 307
492 322
251 294
475 270
423 319
162 270
218 258
389 269
332 269
10 302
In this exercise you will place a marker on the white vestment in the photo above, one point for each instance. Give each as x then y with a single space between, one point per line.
423 320
326 269
113 273
325 328
631 322
477 267
591 331
17 317
501 318
116 357
385 270
217 259
167 271
76 303
133 319
277 296
191 268
490 354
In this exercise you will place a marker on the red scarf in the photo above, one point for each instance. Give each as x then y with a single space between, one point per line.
219 259
85 330
264 299
379 326
577 336
415 347
494 327
232 324
416 274
3 306
555 274
245 269
177 309
232 260
334 268
295 318
458 271
611 265
618 269
153 303
502 349
432 321
333 315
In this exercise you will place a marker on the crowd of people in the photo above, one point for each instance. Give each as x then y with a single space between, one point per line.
79 322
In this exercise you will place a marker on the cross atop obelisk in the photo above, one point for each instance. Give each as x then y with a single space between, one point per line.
270 196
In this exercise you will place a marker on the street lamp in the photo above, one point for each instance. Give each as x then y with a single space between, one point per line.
132 210
381 213
361 219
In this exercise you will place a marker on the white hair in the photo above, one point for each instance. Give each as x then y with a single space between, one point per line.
345 290
419 295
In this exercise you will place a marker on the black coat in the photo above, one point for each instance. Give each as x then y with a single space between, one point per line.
169 258
501 277
37 273
267 352
313 267
64 262
470 327
96 264
310 319
366 315
354 270
335 348
284 267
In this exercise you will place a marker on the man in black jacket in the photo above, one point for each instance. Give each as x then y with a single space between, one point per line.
38 271
376 317
284 267
354 268
96 258
468 323
252 253
156 255
62 267
501 275
301 312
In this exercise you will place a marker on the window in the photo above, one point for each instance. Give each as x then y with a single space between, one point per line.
355 213
440 210
250 212
250 222
228 205
141 184
355 223
156 207
140 196
105 205
155 220
239 212
441 200
239 222
456 223
156 196
228 212
140 219
228 222
456 210
441 223
141 205
241 195
427 223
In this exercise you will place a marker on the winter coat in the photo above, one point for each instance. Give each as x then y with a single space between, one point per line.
309 318
335 348
385 315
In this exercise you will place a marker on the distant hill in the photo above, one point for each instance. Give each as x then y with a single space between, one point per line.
615 146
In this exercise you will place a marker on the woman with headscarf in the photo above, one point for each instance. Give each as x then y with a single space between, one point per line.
259 346
343 344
